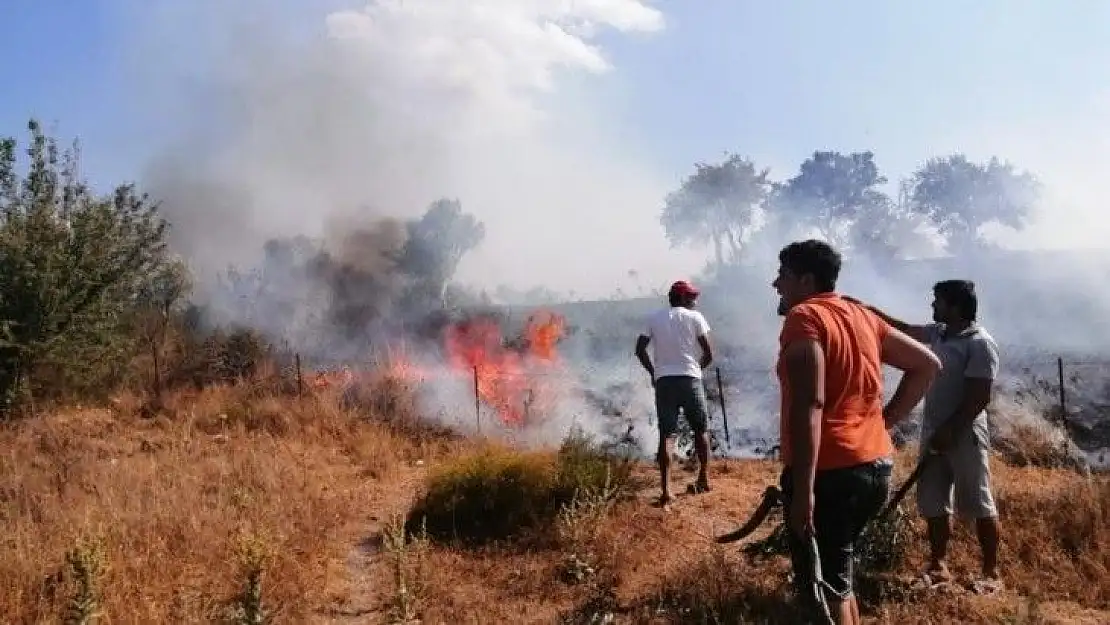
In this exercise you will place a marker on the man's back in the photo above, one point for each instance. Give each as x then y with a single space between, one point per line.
852 428
674 336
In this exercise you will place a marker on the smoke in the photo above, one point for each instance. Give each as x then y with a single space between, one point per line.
283 118
340 120
299 141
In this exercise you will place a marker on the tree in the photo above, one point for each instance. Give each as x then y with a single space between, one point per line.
716 204
71 263
959 197
888 229
436 244
830 192
157 304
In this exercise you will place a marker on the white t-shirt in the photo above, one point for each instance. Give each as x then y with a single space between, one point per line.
674 336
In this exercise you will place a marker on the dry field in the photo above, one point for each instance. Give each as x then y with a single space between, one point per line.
236 505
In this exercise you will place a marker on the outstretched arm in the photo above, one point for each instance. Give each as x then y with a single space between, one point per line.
916 332
919 366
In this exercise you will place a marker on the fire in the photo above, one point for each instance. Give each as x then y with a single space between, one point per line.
397 366
511 380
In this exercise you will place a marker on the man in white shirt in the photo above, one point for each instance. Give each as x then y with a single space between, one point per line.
677 333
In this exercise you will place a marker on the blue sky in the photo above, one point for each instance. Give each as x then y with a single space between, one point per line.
772 80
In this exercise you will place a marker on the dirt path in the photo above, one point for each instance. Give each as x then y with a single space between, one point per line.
362 599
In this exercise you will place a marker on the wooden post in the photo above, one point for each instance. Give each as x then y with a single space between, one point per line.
1063 392
300 380
477 402
724 412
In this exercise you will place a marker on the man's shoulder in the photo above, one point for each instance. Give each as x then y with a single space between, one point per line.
693 314
982 337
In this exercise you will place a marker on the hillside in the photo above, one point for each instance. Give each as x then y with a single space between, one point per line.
165 516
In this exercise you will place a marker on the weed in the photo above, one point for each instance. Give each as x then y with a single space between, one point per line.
409 577
253 553
576 528
87 564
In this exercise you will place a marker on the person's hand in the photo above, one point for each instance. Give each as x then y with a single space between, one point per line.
942 439
801 515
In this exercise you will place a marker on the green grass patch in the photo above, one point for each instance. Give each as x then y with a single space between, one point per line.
498 493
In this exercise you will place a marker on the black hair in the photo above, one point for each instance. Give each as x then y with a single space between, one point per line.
814 257
959 294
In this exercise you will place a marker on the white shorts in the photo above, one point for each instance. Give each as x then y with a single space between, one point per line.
962 474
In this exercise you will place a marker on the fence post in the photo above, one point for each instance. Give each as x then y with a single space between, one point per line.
1063 392
300 380
477 402
724 413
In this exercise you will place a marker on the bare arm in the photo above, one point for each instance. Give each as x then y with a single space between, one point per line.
805 369
916 332
919 366
642 354
706 351
977 395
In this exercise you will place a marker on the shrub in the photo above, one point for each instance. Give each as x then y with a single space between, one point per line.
496 493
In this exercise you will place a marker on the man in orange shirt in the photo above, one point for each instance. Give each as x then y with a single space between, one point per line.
836 448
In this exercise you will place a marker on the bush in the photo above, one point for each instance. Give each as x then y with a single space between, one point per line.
496 494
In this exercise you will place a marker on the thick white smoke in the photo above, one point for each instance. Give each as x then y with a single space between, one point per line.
382 108
285 119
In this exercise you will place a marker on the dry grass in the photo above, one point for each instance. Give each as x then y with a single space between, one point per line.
172 500
236 503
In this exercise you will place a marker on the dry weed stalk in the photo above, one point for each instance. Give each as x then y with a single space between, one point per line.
408 556
253 552
87 563
577 527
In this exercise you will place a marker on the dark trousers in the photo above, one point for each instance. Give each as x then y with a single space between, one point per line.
844 501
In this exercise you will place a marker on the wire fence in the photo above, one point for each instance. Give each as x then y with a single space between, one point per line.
1074 392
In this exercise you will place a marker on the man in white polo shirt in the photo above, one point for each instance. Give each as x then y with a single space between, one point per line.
679 336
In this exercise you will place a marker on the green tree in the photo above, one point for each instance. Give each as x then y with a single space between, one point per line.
72 266
888 229
830 193
959 197
716 204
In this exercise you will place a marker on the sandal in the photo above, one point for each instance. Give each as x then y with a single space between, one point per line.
697 488
933 578
987 586
663 501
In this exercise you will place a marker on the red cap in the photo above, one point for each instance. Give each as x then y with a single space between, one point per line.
684 288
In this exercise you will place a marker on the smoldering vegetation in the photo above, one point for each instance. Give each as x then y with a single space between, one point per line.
299 188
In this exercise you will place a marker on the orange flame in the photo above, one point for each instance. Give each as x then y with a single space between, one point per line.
510 380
